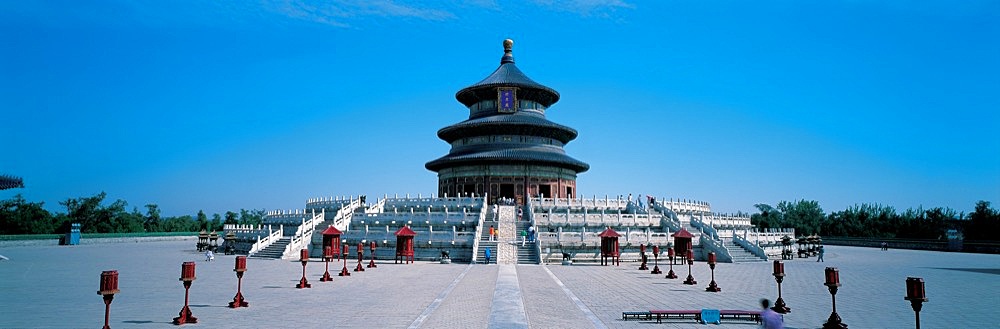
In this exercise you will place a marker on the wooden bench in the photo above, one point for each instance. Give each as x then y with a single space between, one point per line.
676 314
637 315
741 315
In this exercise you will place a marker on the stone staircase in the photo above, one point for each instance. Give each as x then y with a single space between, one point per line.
740 254
275 250
526 253
484 242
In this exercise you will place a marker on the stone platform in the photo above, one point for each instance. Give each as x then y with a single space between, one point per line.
55 287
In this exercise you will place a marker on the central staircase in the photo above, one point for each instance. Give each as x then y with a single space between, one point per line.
526 253
275 250
740 254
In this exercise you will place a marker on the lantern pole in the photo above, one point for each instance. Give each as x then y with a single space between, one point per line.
304 258
361 256
916 295
712 286
343 257
833 282
779 275
187 275
240 268
690 279
109 287
371 264
327 254
670 255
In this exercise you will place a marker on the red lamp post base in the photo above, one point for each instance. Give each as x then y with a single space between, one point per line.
238 301
780 307
656 270
671 274
185 316
690 279
326 274
185 313
834 322
712 286
371 264
344 271
303 283
359 268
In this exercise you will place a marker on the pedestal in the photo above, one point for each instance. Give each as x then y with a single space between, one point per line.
303 283
712 286
326 274
185 314
238 299
107 309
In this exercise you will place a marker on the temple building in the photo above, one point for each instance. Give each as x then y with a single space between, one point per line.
507 148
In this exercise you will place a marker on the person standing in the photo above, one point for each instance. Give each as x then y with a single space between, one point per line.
487 252
769 318
820 259
493 233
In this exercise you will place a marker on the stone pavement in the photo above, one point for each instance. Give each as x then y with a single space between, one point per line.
55 287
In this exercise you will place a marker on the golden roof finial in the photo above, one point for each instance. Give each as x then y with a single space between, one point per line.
508 44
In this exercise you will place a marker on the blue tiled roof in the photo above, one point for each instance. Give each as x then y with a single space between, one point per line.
530 154
507 75
508 124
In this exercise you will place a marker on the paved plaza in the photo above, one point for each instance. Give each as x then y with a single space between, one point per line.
56 287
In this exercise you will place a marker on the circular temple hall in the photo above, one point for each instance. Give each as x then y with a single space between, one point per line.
507 148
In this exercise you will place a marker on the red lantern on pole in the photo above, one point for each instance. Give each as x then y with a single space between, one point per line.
109 287
779 275
916 295
642 257
690 279
656 261
671 255
304 258
371 264
361 256
833 283
240 267
343 257
327 256
187 276
712 286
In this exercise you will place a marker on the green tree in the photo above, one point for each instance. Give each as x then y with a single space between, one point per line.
216 224
252 217
231 218
202 220
768 217
804 216
152 219
18 216
984 223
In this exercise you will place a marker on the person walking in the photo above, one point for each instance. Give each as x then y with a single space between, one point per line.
769 318
493 233
487 252
820 259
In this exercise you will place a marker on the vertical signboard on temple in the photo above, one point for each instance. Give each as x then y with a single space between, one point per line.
506 100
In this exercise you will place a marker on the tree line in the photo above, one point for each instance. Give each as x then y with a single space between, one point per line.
20 216
872 220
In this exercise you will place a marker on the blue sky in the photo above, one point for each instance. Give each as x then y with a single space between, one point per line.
226 105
